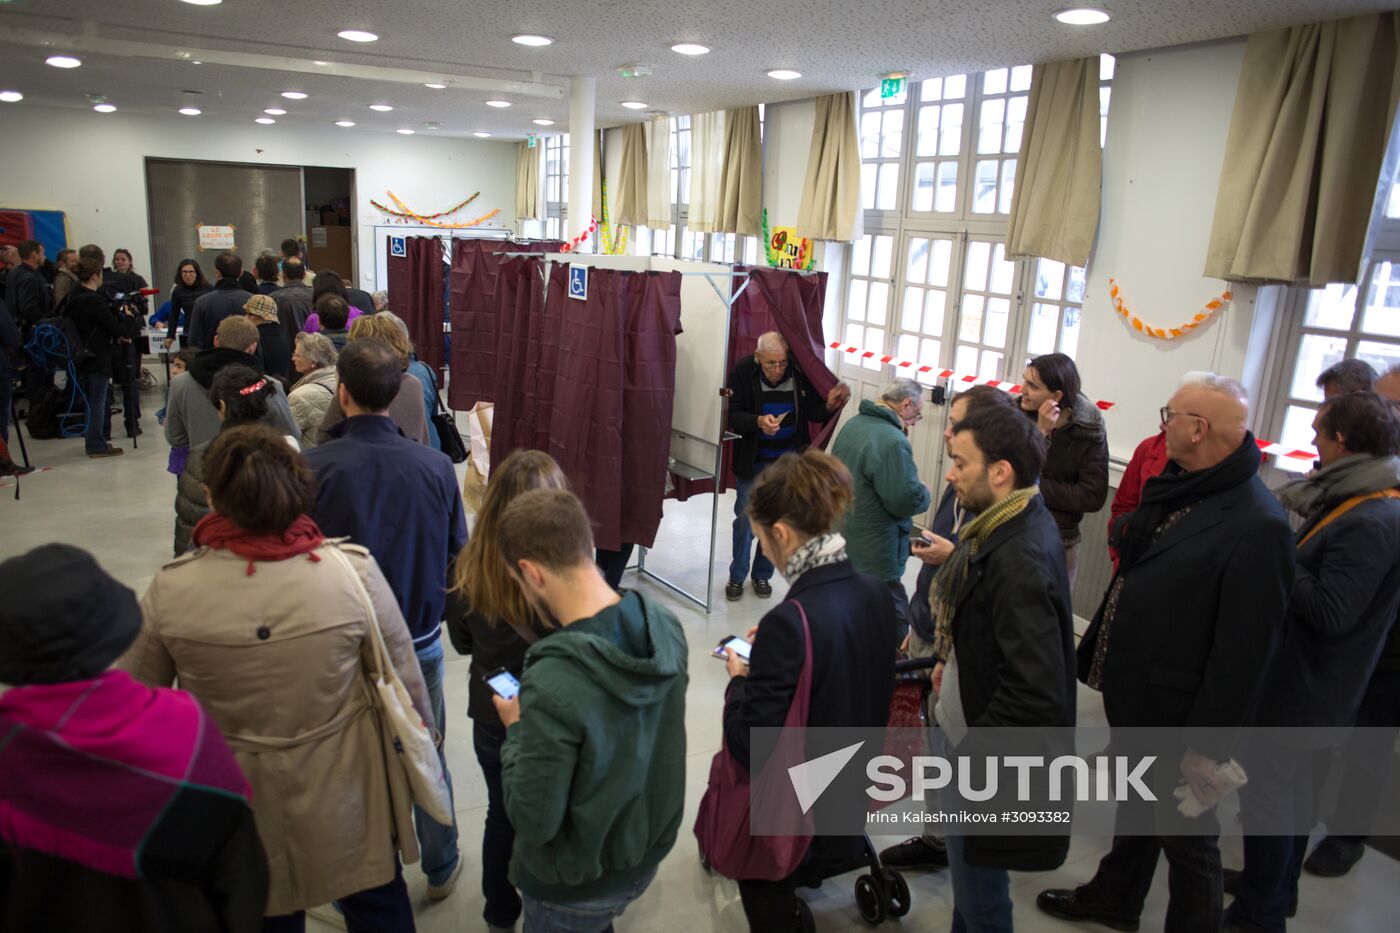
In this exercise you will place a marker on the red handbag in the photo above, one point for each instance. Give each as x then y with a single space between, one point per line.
722 827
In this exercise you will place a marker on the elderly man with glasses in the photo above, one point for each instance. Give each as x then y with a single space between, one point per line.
771 403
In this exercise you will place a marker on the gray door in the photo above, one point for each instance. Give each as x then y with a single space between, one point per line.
262 203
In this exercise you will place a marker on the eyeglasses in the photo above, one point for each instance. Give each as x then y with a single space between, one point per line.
773 364
1168 413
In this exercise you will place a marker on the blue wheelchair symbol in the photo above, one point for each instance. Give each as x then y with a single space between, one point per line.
397 247
578 282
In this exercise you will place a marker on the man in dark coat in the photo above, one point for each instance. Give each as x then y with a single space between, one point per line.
1194 611
1345 597
770 405
99 330
268 272
27 295
225 300
294 298
274 349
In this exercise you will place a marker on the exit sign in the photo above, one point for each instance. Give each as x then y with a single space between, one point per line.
891 87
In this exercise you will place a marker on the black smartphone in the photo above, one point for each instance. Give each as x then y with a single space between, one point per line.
503 684
741 648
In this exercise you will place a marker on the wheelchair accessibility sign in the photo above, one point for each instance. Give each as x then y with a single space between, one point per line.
578 282
397 248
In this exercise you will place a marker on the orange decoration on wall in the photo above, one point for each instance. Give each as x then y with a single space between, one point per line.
1166 333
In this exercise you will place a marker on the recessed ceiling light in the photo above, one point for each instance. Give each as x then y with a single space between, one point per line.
690 48
634 105
275 111
532 40
191 111
104 108
784 74
322 64
344 122
499 104
204 2
1082 16
11 97
436 87
482 135
294 95
542 122
63 61
382 108
265 121
196 63
405 131
358 35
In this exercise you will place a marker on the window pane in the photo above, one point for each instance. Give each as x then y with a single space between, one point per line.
955 87
1015 123
1075 292
855 308
881 264
1297 431
923 186
1106 65
874 340
984 192
1021 78
950 131
912 313
978 254
917 268
1382 315
685 186
1104 95
935 307
907 348
867 185
971 326
1381 356
941 261
990 124
994 82
927 144
860 256
870 134
1003 272
991 365
932 89
998 313
879 303
1331 308
1069 340
871 99
888 191
1049 277
1008 186
929 353
1315 353
855 337
1392 204
965 363
947 198
1045 323
892 138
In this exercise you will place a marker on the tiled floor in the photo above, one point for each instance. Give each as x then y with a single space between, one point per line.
121 509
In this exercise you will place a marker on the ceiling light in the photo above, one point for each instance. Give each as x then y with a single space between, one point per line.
634 105
784 74
542 122
1082 16
357 35
196 63
404 131
294 95
322 64
63 61
11 97
191 111
436 87
382 108
204 2
432 125
275 111
265 121
344 122
690 48
104 108
531 40
499 104
482 135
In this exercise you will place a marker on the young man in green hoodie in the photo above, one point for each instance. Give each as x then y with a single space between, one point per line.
593 766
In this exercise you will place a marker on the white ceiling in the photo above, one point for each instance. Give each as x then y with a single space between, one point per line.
836 44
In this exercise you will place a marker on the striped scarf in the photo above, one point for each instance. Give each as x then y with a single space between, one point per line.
950 584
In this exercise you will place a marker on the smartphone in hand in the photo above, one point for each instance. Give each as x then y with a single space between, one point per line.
503 684
741 648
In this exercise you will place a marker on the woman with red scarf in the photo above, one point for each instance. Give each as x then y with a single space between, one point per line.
122 810
269 629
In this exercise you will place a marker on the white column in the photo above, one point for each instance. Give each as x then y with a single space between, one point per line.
583 94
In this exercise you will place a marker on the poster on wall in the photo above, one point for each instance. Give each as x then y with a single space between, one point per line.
215 237
48 227
788 249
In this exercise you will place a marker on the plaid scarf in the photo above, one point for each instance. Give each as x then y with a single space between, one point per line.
950 584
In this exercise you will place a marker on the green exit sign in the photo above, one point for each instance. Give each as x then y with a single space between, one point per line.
891 87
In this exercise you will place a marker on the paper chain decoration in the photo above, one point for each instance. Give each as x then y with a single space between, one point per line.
407 213
611 248
1166 333
574 244
428 222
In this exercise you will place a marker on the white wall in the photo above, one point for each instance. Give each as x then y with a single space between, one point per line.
92 167
1167 126
787 140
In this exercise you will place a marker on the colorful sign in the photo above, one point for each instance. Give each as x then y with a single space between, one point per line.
215 237
789 251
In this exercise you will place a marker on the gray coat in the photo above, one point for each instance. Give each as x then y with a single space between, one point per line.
191 419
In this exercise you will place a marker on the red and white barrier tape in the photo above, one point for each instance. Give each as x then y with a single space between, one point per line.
1269 448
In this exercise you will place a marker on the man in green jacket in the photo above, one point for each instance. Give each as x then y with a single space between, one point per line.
889 494
593 766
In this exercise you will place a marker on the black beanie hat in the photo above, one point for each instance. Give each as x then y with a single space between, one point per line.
62 617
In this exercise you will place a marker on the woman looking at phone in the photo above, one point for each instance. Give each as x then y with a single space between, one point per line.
489 619
794 507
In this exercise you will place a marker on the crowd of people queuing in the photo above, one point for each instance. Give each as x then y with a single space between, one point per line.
315 516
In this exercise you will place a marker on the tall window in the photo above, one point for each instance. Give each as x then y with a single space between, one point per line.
868 305
556 185
881 146
1001 118
938 145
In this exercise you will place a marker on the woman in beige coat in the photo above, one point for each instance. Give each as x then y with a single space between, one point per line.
263 623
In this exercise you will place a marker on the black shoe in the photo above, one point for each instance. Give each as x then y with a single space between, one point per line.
10 468
1231 877
1334 857
916 853
1072 904
733 591
109 452
762 589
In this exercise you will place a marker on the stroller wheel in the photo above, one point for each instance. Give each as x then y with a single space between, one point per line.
805 922
869 900
898 891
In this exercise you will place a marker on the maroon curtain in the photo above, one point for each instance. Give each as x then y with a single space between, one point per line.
519 306
652 323
791 304
415 294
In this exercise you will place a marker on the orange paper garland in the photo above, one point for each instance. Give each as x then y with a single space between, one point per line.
1166 333
431 223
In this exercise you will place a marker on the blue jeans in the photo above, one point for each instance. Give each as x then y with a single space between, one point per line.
981 896
594 916
98 430
498 841
743 535
385 909
438 842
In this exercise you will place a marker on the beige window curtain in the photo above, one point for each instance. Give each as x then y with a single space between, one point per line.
741 178
528 203
1313 114
1055 207
659 211
830 208
706 161
630 206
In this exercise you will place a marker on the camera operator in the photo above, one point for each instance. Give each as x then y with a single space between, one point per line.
123 285
104 336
